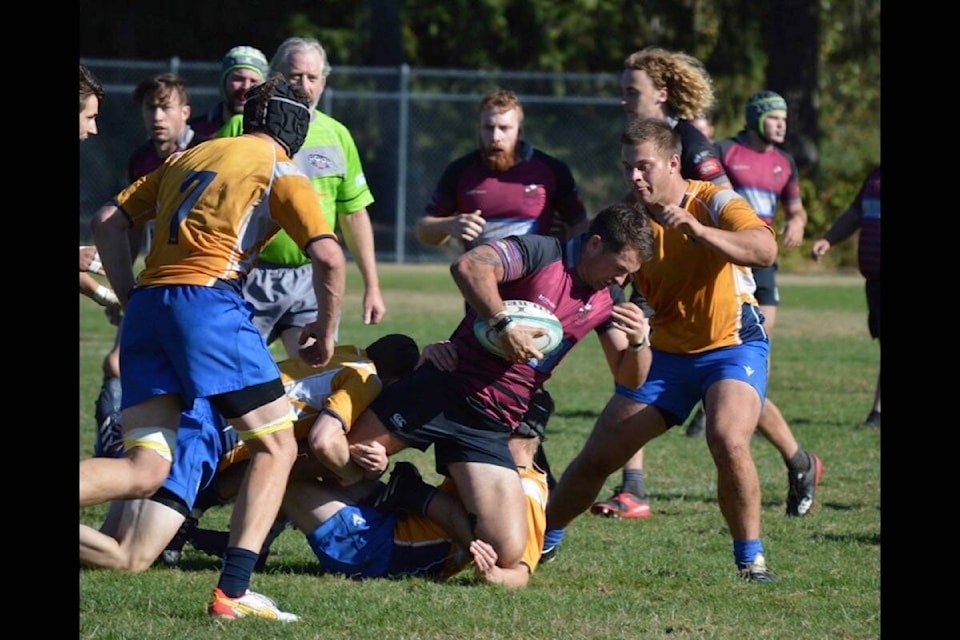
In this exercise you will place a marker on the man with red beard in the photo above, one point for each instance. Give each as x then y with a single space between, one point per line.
506 187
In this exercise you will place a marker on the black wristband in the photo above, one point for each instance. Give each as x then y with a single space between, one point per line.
502 324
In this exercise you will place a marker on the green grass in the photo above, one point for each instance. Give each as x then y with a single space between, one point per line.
670 576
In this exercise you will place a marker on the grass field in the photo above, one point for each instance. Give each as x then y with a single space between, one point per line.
670 576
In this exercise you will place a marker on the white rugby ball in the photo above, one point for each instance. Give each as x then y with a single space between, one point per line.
525 314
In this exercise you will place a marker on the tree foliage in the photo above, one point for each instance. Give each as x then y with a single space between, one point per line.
823 55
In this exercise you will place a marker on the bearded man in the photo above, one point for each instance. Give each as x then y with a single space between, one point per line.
505 187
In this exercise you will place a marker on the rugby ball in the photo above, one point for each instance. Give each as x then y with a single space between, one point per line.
526 314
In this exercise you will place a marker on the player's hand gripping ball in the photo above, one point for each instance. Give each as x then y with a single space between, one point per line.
525 314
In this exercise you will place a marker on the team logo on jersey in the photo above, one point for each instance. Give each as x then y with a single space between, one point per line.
319 161
777 170
547 302
749 370
583 312
709 166
398 421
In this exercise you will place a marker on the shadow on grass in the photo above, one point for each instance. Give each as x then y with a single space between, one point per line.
871 539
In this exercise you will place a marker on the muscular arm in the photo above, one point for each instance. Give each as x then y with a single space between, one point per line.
629 366
91 288
110 231
432 230
755 247
358 235
477 273
796 220
466 227
329 282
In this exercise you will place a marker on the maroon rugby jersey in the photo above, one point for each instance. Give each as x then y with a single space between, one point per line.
540 269
527 198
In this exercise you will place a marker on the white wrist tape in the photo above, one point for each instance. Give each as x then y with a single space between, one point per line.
95 264
105 296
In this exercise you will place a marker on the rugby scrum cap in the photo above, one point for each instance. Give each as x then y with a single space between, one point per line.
242 57
760 105
395 355
285 117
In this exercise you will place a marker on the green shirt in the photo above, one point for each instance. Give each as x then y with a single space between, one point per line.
330 159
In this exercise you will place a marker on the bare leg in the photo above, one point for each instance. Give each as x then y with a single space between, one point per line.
733 408
775 429
261 492
623 428
494 497
140 471
132 537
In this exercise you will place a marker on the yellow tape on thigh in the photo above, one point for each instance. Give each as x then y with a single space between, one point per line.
286 422
163 441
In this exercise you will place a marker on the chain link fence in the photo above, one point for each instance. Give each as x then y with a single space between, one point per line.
408 124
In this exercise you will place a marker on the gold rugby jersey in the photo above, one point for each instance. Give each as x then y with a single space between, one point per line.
216 205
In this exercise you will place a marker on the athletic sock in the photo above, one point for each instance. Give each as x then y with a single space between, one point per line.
745 551
800 462
238 566
553 537
633 482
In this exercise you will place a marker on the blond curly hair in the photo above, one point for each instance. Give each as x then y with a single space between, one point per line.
688 84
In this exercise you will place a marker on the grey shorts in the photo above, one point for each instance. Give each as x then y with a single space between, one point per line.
282 297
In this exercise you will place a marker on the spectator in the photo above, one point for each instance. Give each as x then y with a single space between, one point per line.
280 285
187 333
707 340
241 68
862 214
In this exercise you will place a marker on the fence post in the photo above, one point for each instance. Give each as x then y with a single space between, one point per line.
403 96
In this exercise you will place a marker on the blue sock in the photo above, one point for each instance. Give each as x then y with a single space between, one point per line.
744 551
553 537
238 566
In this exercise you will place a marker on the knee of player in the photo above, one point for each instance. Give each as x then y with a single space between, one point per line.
134 563
509 543
324 443
150 455
275 438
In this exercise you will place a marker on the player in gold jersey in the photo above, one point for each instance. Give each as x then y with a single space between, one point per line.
707 340
187 332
